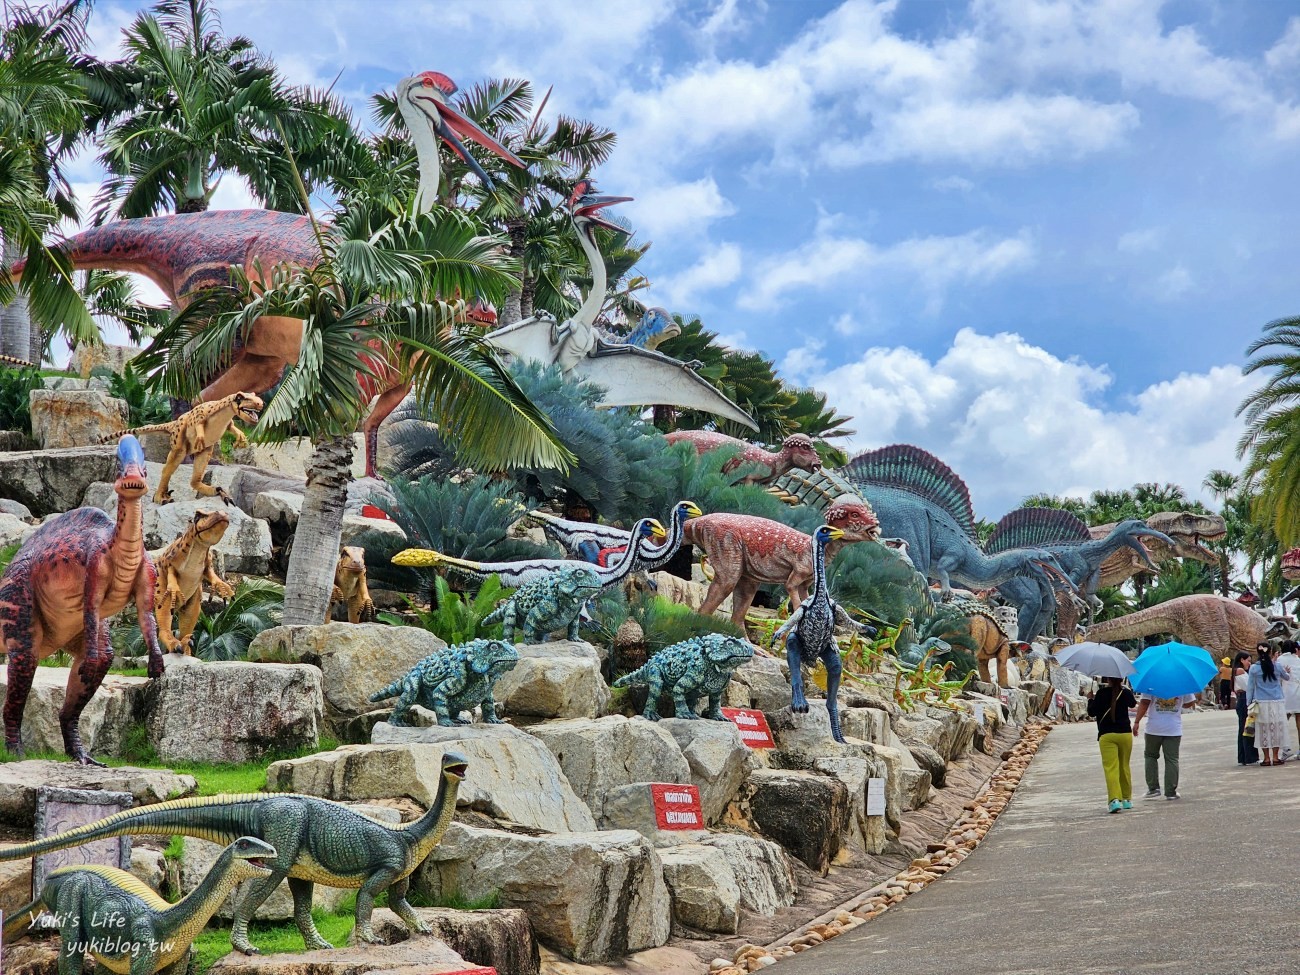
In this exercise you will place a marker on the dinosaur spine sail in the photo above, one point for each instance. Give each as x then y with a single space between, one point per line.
917 472
1036 528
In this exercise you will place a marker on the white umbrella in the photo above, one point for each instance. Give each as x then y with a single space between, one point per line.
1095 660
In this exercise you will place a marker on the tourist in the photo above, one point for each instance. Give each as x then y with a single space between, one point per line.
1164 737
1247 754
1225 684
1109 706
1264 691
1290 660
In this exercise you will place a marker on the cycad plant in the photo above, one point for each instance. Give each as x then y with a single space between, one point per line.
454 617
257 605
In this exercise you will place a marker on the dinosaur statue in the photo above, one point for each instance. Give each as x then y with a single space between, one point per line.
747 551
553 602
587 540
452 680
316 842
350 585
695 668
72 574
630 375
199 433
797 450
919 498
1185 528
1291 564
1077 552
122 923
810 634
656 327
1221 625
182 568
188 252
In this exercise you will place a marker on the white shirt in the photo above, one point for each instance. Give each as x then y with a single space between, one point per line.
1165 714
1290 688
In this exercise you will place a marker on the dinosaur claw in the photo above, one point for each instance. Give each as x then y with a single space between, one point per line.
84 759
224 496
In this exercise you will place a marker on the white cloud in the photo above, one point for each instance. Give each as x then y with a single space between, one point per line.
680 209
717 268
1140 241
1174 283
804 360
1284 55
958 184
1012 419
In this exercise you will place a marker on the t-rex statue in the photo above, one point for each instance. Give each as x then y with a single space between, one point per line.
350 585
630 375
122 923
188 252
746 551
72 574
316 841
1186 528
199 433
797 451
183 567
1064 535
1221 625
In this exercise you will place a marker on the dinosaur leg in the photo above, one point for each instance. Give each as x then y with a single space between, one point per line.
163 617
24 646
398 904
728 560
72 947
742 598
302 890
831 658
375 883
1004 657
683 707
164 493
201 460
983 662
189 618
793 656
388 401
256 894
653 690
88 670
145 946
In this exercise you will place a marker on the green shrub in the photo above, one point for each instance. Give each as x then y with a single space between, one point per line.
454 617
145 407
16 386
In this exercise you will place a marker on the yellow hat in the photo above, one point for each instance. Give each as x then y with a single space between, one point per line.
1227 660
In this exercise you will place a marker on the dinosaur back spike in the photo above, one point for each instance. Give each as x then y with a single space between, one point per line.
817 489
1036 527
917 472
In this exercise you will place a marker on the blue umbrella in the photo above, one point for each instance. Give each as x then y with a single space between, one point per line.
1172 669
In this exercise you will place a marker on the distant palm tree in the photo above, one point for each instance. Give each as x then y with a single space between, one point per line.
1221 484
1271 443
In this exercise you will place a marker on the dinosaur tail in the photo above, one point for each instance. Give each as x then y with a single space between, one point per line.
221 819
17 922
135 431
392 690
424 557
632 678
496 615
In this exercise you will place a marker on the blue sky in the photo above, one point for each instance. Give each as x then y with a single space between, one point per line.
1032 237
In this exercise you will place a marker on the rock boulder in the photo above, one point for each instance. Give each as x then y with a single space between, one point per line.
704 892
761 870
19 782
74 417
104 722
554 680
805 812
421 955
52 481
501 939
718 760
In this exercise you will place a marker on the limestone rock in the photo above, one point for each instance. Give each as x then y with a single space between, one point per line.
233 711
802 738
865 724
421 955
957 731
279 508
150 866
290 458
1017 705
718 760
355 660
564 682
892 762
15 883
19 782
931 761
104 722
591 896
703 888
15 508
501 939
683 591
511 774
759 683
52 481
600 754
245 548
32 958
806 813
371 532
862 832
87 356
916 727
915 784
632 807
13 530
1040 695
101 493
72 418
761 870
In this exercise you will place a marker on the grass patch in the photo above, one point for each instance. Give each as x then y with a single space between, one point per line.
214 943
175 849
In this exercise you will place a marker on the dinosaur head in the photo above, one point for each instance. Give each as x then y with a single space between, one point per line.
658 326
248 407
579 581
493 657
727 652
352 560
650 528
1133 531
1291 564
481 313
799 451
132 475
854 517
424 97
210 526
454 767
585 205
1188 529
899 547
250 855
684 511
827 533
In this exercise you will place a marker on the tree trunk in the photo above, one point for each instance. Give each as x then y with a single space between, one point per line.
1223 573
310 576
512 311
15 322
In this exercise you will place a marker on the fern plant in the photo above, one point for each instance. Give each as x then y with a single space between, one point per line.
686 474
454 617
143 406
16 386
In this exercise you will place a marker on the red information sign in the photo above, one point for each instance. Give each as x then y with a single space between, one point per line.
752 723
677 806
370 511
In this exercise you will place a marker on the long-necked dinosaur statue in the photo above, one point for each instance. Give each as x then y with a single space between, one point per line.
185 253
587 540
630 375
1217 623
316 842
797 451
72 574
122 923
1064 535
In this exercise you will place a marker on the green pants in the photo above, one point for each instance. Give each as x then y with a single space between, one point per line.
1169 744
1116 749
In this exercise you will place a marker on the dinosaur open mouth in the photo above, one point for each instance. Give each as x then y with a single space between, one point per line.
459 770
249 416
133 485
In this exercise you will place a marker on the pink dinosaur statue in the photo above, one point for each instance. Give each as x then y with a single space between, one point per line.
797 450
1291 565
746 551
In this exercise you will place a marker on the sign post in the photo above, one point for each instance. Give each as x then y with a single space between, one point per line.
753 726
677 806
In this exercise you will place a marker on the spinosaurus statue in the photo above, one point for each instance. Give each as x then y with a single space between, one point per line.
1219 624
316 841
797 451
188 252
1064 535
629 374
72 574
921 500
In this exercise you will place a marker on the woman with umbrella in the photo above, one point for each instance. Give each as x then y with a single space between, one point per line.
1109 705
1264 690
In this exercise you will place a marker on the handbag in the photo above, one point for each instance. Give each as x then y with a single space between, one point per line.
1249 730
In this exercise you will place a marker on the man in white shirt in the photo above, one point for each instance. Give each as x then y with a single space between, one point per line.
1289 660
1164 735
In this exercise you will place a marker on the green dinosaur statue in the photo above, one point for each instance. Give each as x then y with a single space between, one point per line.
317 841
126 927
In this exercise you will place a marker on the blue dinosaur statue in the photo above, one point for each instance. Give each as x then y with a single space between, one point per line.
1078 553
656 326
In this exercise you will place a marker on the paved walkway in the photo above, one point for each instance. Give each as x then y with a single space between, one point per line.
1207 884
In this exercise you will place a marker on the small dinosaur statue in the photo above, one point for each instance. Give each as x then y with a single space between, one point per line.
797 451
810 634
72 574
586 540
452 680
554 602
1291 564
183 567
695 668
126 927
316 842
199 433
350 585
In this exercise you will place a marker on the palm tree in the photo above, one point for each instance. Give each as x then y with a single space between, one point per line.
1271 441
1221 484
372 298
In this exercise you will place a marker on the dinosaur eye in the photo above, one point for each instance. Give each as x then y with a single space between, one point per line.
427 82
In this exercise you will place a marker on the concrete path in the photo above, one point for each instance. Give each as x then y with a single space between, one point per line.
1207 884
